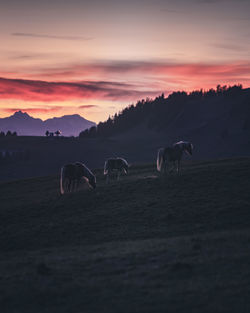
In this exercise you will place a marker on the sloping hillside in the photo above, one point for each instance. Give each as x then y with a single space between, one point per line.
216 121
145 244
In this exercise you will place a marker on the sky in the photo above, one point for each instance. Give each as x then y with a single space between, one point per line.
95 57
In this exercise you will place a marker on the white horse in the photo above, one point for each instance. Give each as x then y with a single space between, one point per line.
115 164
71 174
173 154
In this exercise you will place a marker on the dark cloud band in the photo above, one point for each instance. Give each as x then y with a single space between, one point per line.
51 36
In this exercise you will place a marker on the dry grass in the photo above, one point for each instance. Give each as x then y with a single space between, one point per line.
145 244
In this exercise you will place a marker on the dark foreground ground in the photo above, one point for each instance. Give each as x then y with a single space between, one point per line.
145 244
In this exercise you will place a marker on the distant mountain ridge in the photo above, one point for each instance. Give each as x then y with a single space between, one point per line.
26 125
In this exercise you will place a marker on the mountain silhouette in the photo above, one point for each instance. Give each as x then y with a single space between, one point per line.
26 125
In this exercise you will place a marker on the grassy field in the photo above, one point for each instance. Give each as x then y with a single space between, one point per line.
145 244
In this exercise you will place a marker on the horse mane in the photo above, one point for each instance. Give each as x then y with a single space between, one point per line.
181 143
86 171
184 145
124 161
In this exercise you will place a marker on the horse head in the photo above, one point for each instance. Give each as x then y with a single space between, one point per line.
92 181
83 171
184 146
189 148
125 165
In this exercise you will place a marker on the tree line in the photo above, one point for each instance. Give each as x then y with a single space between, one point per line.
8 134
158 111
51 134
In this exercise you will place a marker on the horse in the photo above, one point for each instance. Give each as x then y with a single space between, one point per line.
118 164
71 175
173 154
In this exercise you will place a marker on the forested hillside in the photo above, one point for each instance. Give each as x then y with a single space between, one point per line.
162 112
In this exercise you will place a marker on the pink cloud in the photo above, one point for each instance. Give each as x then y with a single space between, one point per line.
34 90
142 67
51 109
122 81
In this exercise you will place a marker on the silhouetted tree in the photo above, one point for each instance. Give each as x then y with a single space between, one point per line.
2 134
210 93
14 134
92 131
158 113
233 91
47 133
8 134
57 133
84 133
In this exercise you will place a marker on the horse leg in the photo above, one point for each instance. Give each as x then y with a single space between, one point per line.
69 185
118 174
164 168
178 166
74 185
167 167
77 183
173 167
107 178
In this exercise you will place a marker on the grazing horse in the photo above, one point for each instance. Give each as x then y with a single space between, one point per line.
172 154
71 174
118 164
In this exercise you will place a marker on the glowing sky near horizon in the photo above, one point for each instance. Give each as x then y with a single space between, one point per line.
96 57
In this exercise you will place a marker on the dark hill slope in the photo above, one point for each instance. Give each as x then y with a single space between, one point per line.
145 244
216 122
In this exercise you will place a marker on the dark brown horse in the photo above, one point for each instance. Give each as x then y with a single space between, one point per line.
173 155
115 164
71 175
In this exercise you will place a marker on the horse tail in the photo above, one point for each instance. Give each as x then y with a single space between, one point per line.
159 162
106 168
62 180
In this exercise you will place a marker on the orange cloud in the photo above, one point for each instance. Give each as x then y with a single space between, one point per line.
87 106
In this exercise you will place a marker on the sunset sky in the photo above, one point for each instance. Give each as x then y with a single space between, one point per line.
96 57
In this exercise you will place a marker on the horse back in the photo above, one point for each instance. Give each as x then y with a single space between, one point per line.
72 171
115 163
172 153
